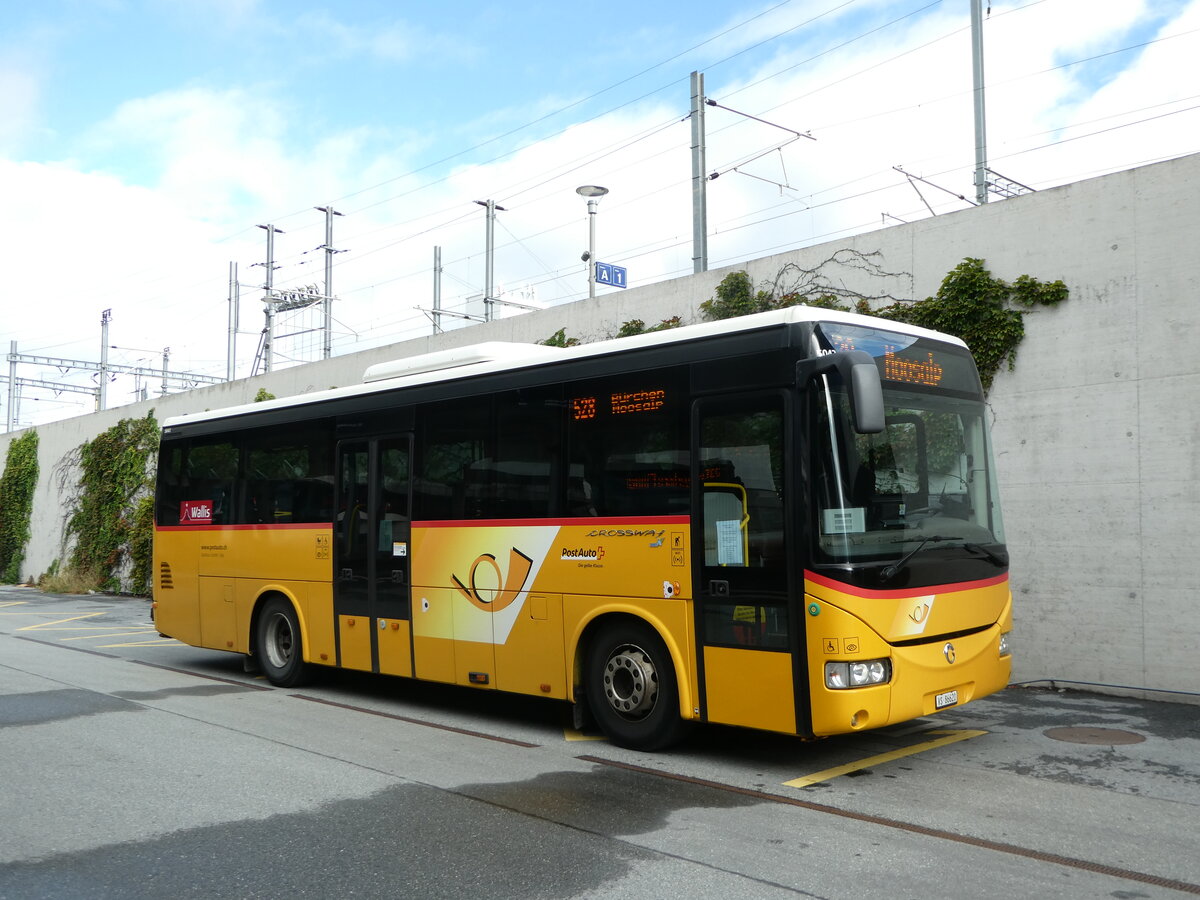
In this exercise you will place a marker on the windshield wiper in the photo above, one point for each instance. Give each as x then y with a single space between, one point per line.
990 554
889 571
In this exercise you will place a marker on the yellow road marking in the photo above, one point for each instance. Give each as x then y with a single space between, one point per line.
142 643
951 737
60 622
7 603
94 637
572 735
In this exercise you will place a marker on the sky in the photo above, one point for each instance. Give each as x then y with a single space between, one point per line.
144 144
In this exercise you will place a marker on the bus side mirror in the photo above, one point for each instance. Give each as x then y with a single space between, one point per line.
866 396
861 378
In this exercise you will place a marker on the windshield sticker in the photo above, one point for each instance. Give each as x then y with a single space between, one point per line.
844 521
196 512
729 543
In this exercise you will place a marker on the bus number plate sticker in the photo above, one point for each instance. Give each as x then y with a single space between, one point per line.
941 701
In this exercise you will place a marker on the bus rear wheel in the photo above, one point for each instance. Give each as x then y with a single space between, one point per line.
278 645
631 687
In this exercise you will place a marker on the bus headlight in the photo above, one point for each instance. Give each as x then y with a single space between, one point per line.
840 676
1005 645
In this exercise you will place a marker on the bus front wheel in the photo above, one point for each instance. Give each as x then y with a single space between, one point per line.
631 686
278 645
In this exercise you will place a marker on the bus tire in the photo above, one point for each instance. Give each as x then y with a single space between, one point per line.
278 646
631 686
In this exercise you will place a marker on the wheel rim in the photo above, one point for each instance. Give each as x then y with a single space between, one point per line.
279 642
630 682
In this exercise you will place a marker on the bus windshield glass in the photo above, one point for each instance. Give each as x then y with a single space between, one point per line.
926 480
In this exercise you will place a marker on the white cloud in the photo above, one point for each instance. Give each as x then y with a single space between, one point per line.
200 167
19 98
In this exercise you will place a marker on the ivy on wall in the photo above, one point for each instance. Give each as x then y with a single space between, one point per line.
111 516
17 485
822 285
637 326
988 313
560 339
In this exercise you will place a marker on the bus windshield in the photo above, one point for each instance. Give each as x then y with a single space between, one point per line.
926 480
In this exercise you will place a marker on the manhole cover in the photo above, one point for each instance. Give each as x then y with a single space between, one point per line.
1109 736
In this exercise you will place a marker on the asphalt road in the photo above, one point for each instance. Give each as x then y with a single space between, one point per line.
137 767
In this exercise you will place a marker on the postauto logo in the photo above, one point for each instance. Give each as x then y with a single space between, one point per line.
583 553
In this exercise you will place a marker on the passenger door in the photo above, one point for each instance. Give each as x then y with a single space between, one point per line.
371 562
741 550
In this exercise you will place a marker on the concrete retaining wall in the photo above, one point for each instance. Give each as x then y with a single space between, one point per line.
1096 430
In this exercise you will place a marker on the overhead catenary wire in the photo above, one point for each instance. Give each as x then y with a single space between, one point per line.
532 189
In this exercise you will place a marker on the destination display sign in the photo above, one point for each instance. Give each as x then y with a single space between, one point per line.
905 358
618 403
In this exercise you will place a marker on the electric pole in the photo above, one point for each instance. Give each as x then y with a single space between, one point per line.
981 193
234 298
12 385
437 290
699 179
327 303
102 397
489 267
269 300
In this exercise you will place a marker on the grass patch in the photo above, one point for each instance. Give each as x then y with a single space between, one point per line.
70 581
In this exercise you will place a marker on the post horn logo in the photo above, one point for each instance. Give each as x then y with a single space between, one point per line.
948 652
519 566
920 612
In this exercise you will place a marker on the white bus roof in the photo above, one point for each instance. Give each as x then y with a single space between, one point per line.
499 356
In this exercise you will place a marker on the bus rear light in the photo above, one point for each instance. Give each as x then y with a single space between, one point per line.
1005 643
840 676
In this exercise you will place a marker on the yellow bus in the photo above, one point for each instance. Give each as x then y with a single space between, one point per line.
787 521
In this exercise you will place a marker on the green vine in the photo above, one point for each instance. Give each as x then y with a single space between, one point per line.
736 297
16 504
637 326
141 546
112 516
988 313
560 339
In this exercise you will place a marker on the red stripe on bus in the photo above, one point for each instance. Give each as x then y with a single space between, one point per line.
279 526
595 521
905 592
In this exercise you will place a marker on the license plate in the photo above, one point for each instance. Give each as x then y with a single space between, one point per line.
941 701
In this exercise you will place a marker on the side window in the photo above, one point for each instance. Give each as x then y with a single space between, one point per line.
351 522
196 483
453 480
393 482
168 487
628 446
742 521
289 477
525 469
742 471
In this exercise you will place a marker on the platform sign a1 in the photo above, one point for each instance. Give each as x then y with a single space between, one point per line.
613 276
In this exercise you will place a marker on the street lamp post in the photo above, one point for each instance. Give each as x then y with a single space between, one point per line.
593 192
